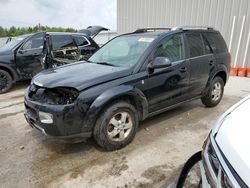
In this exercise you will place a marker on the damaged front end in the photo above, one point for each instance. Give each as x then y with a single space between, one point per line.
53 96
53 112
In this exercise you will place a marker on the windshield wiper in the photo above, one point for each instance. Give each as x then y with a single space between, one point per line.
105 63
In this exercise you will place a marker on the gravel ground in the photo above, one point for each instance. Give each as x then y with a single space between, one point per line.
154 159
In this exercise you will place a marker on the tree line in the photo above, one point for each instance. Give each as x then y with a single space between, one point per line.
15 31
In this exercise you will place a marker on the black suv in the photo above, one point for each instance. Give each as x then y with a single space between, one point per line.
24 56
132 77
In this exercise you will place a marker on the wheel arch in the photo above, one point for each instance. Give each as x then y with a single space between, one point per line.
10 70
127 93
222 74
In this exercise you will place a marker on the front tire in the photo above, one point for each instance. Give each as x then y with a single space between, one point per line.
116 126
5 81
214 93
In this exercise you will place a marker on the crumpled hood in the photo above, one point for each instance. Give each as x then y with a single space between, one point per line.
80 75
233 139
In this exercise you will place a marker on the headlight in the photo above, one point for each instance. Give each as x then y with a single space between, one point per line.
59 95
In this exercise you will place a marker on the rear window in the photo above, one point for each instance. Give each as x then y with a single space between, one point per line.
216 42
195 43
62 41
80 41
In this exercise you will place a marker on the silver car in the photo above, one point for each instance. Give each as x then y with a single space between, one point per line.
225 158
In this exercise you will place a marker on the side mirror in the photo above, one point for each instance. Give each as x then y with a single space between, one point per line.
160 62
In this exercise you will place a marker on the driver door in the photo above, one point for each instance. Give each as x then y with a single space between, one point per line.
28 56
169 85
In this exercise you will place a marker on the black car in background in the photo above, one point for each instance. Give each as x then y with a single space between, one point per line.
23 57
132 77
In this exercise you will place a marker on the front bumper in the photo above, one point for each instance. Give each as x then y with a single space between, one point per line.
216 170
67 120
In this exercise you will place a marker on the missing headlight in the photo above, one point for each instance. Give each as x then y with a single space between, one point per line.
55 96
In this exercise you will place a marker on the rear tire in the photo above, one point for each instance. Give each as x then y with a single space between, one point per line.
214 93
6 81
116 126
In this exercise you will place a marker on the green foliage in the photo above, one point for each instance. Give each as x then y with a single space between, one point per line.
15 31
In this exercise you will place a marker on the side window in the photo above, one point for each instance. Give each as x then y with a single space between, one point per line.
80 41
36 41
207 48
216 42
61 41
195 43
171 48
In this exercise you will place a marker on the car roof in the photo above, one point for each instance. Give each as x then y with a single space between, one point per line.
155 32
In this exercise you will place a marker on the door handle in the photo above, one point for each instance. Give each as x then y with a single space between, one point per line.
183 69
211 62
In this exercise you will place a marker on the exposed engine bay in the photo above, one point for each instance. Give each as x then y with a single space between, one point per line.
53 96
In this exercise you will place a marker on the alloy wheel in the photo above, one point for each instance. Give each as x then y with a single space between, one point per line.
216 92
120 126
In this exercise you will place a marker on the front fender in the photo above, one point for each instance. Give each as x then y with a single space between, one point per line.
109 96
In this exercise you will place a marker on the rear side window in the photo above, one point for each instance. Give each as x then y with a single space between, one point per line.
216 42
80 41
195 42
61 41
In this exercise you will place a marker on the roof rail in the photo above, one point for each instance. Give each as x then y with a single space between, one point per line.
144 30
191 27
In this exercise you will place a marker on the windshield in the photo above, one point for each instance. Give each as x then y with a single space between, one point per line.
123 51
14 41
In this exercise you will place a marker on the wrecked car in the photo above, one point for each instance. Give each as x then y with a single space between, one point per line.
225 160
23 57
132 77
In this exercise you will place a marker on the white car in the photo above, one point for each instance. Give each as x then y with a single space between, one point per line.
225 159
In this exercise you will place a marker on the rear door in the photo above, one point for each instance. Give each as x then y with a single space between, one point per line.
28 56
219 48
202 62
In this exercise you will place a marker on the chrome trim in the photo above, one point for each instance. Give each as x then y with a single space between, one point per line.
205 183
208 166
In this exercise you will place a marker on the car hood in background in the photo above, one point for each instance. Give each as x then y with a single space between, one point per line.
79 75
233 138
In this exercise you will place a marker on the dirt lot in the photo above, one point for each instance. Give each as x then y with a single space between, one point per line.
153 159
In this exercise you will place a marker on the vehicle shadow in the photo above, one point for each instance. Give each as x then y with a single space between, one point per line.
183 109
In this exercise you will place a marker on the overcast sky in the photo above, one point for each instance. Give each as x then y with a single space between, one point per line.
64 13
